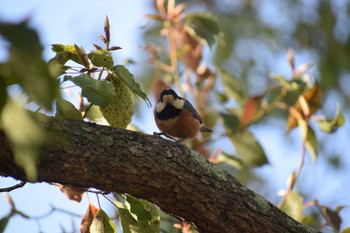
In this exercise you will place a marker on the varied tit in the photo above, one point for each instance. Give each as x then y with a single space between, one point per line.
175 116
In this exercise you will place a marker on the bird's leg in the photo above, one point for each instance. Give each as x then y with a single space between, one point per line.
181 140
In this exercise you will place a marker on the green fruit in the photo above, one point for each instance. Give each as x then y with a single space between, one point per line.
119 115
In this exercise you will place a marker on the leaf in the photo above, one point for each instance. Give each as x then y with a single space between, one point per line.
94 114
101 58
332 217
346 230
231 122
330 126
312 220
3 92
231 160
294 85
88 217
248 148
99 92
26 66
127 78
250 109
66 110
138 216
311 143
246 145
205 26
313 99
64 53
3 222
119 116
102 224
232 86
74 194
293 206
25 135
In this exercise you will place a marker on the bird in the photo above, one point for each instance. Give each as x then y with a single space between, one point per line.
176 117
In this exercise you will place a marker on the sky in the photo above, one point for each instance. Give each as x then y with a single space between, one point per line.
80 22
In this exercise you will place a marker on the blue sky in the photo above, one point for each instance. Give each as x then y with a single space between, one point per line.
80 22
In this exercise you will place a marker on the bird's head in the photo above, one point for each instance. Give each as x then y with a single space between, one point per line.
169 97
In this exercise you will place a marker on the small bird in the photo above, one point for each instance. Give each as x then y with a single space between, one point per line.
176 117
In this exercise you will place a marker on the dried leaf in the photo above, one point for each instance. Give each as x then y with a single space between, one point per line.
332 217
74 194
250 108
313 98
88 217
188 48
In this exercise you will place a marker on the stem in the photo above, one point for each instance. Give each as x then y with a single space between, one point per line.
87 110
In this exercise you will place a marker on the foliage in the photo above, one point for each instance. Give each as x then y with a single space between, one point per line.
222 97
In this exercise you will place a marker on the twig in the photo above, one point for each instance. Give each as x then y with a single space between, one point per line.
9 189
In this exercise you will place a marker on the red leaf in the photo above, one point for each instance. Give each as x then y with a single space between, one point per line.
250 109
87 219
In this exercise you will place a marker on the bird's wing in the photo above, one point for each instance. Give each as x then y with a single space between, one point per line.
188 106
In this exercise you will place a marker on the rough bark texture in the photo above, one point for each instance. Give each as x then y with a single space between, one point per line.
178 180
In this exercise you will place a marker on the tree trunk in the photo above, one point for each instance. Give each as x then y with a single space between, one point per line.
178 180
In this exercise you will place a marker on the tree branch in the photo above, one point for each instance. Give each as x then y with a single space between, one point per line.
16 186
178 180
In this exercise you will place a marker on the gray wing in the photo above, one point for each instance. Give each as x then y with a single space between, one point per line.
188 106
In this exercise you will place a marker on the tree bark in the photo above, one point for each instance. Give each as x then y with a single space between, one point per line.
178 180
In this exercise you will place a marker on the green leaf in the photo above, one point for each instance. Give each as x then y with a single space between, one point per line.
127 78
99 92
101 58
64 53
3 92
94 114
330 126
311 220
25 135
293 206
232 86
138 215
294 85
66 110
311 143
231 160
347 230
231 122
248 148
102 224
205 26
3 223
26 66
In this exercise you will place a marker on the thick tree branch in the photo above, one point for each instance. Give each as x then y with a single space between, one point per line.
178 180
